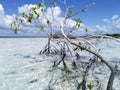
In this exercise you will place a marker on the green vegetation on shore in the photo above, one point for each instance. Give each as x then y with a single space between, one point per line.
114 35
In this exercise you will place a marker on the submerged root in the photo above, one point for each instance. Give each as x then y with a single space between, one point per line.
51 50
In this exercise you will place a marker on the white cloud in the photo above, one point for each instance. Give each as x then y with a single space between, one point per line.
25 8
1 10
106 20
50 12
55 11
4 19
113 24
115 17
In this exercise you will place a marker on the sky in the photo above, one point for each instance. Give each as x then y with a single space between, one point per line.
103 17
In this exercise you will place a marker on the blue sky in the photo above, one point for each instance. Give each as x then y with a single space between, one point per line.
98 15
93 16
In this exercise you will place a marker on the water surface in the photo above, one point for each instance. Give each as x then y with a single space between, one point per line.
22 68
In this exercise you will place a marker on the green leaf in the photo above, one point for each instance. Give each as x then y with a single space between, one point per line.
11 25
21 20
35 12
33 8
78 24
70 11
14 23
42 10
86 30
23 14
41 28
43 5
53 2
16 18
78 48
37 15
30 17
78 21
15 31
79 43
39 5
30 14
90 86
48 22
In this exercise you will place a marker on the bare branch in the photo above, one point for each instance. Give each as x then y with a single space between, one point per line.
80 11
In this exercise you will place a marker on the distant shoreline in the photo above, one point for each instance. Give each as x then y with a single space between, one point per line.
57 36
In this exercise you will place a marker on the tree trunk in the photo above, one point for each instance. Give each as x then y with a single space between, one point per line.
49 40
84 83
111 80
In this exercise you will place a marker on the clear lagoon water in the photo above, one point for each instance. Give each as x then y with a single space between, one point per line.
22 68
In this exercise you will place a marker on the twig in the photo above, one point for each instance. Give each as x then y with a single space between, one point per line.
82 10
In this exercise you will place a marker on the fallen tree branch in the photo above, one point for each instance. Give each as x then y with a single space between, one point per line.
111 78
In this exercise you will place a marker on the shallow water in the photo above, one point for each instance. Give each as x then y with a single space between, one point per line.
22 68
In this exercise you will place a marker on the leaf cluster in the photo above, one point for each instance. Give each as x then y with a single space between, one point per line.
78 22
